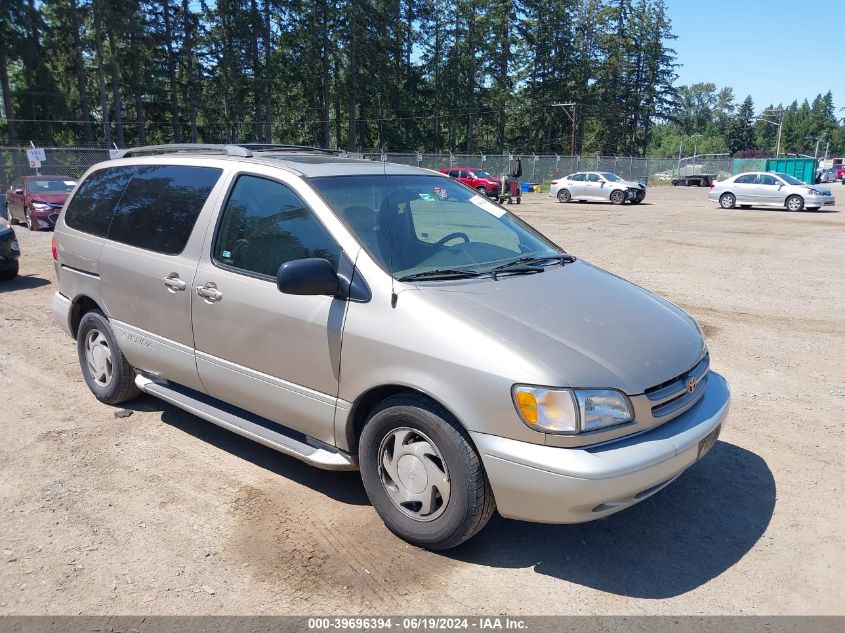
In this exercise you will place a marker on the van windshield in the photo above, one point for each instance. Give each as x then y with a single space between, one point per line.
416 224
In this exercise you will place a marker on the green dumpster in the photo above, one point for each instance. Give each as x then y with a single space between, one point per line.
803 169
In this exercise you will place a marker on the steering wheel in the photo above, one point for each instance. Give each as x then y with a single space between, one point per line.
450 237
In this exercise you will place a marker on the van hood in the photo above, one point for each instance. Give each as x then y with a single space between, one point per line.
589 327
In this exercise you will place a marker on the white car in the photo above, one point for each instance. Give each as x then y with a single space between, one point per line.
597 186
764 189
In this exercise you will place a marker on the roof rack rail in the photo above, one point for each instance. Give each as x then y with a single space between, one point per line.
275 147
199 148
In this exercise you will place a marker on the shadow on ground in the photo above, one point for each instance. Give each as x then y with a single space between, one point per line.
23 282
345 487
694 530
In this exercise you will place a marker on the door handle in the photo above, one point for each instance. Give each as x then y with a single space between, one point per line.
209 292
173 283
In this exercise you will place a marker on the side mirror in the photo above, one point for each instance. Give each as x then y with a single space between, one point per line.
311 276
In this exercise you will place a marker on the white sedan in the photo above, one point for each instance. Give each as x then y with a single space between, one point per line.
764 189
597 186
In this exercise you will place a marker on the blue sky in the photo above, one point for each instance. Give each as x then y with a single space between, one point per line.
774 50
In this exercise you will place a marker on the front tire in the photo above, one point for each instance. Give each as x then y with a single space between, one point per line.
727 201
422 474
617 197
564 196
107 373
795 203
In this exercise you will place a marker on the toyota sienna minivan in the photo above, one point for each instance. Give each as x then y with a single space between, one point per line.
361 315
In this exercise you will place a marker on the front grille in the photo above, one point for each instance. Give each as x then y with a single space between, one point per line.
674 396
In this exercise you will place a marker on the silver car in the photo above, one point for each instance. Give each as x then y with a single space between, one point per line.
764 189
360 315
596 186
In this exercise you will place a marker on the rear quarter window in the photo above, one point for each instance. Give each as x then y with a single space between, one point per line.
91 207
160 205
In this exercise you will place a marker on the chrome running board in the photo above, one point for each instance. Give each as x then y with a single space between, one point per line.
261 430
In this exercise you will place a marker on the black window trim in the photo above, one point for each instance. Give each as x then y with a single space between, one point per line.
219 222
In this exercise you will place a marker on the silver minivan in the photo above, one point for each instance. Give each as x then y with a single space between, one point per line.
361 315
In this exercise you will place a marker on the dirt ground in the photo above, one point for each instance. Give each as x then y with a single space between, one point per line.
164 513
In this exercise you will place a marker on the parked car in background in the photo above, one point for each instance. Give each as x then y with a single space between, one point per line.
827 175
481 365
37 200
764 189
597 186
9 251
478 179
840 173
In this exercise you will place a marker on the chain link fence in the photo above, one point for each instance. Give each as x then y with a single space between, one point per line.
73 161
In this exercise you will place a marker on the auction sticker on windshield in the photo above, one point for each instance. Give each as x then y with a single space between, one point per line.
488 206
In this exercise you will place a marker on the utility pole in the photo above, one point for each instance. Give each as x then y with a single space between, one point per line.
775 112
573 116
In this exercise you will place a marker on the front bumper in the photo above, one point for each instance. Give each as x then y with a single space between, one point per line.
532 482
819 201
44 219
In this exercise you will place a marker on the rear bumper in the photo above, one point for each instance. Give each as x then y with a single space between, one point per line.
62 308
9 249
546 484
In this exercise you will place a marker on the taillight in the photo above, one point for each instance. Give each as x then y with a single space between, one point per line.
554 182
55 250
712 184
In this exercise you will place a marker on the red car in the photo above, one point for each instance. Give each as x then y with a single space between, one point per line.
37 200
478 179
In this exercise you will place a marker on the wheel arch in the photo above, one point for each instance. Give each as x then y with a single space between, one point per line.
367 401
79 307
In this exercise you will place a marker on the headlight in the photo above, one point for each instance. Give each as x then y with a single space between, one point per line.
40 206
571 411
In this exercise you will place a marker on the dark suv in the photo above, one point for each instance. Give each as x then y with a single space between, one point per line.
9 252
478 179
37 200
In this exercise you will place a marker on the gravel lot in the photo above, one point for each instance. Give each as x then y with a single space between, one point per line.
161 512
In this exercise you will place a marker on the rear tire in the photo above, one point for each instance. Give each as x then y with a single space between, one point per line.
10 273
795 203
107 373
564 196
617 197
727 201
482 191
434 495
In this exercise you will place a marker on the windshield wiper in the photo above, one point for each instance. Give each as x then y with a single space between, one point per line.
442 273
531 264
